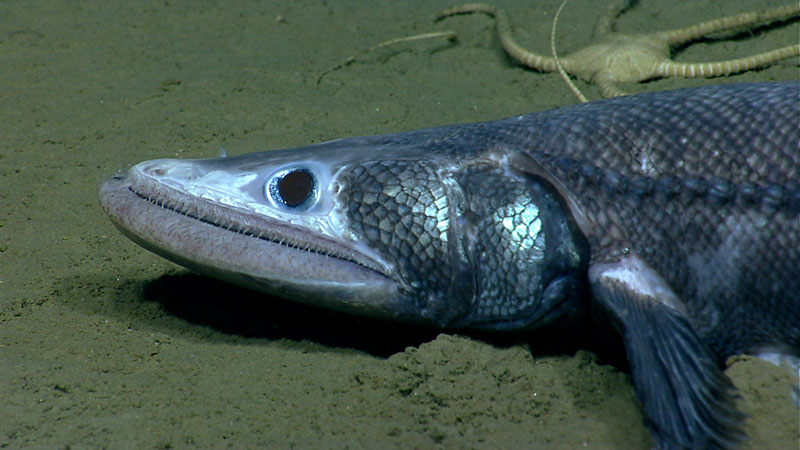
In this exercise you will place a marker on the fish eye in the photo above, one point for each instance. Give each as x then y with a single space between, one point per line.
292 188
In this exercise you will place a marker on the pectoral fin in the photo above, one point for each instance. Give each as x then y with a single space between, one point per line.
687 401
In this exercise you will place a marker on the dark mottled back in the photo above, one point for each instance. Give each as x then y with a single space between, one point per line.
702 184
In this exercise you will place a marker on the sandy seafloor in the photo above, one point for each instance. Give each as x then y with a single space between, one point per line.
103 344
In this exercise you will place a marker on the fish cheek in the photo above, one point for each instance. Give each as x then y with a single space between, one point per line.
402 209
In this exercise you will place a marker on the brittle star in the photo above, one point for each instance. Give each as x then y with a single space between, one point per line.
619 58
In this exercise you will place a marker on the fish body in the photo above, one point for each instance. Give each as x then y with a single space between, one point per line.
674 215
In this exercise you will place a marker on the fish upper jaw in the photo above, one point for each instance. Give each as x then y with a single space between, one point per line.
239 201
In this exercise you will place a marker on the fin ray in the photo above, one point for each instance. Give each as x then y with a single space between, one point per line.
687 399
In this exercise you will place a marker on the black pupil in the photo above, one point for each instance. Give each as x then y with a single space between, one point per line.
295 187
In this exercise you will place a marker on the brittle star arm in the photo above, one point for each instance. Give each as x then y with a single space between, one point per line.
653 65
720 68
525 57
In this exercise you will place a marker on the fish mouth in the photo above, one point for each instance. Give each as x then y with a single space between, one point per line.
249 249
246 223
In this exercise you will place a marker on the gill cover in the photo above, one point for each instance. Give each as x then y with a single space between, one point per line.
473 244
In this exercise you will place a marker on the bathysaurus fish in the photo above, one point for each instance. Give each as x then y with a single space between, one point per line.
676 215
